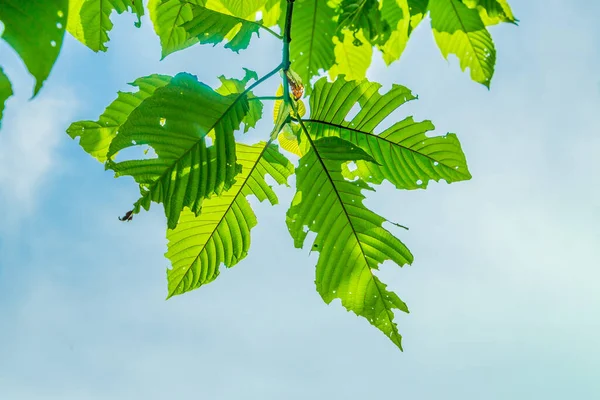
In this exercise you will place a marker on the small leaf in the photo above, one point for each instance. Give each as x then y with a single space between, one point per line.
221 233
175 121
35 30
232 86
5 92
89 20
96 136
459 30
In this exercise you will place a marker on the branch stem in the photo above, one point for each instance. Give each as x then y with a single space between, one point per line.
287 38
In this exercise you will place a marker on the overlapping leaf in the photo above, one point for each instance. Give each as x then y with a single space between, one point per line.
365 16
221 233
243 8
232 86
175 121
459 30
312 47
350 238
35 30
351 59
405 155
89 20
492 11
96 136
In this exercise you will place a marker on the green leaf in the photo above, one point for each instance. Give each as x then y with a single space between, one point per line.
492 12
243 8
89 20
5 92
35 29
174 121
397 15
365 16
351 60
96 136
221 233
213 27
459 30
232 86
272 12
405 155
417 9
350 238
167 17
312 48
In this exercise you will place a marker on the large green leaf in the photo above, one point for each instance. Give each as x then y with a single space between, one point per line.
350 238
35 29
397 15
5 91
312 47
213 27
352 59
167 17
96 136
175 121
221 233
459 30
89 20
405 155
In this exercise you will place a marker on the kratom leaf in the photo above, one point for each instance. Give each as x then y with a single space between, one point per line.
174 121
35 30
5 92
221 233
492 12
365 16
459 30
213 27
272 12
417 10
232 86
89 20
312 48
96 136
243 8
351 60
405 155
397 15
167 17
350 238
289 142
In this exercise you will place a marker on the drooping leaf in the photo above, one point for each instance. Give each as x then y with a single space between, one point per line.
365 16
210 26
35 29
492 12
417 10
405 155
397 15
272 12
459 30
232 86
175 121
167 17
350 238
89 20
352 58
5 92
96 136
312 48
221 233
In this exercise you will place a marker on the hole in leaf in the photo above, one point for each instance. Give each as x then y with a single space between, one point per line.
419 182
208 140
53 43
435 163
352 166
59 25
162 121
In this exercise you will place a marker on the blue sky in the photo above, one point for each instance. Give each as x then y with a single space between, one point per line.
503 293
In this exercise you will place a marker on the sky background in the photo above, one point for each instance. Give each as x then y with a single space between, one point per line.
504 291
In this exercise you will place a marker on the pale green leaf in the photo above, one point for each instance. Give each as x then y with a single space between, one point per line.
221 233
352 58
459 30
175 121
243 8
350 238
5 91
492 12
232 86
405 155
96 136
312 48
89 20
273 12
397 15
35 30
167 17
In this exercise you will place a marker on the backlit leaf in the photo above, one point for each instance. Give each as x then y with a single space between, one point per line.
35 30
